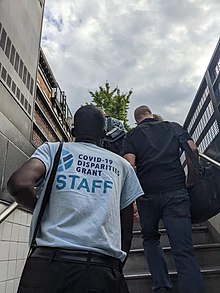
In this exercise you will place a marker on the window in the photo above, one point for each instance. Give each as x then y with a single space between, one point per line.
13 88
9 81
8 47
18 93
41 2
16 61
21 68
22 99
25 74
3 39
26 104
28 80
32 86
29 108
4 72
12 57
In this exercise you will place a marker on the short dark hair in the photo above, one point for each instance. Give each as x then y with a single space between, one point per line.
141 111
89 123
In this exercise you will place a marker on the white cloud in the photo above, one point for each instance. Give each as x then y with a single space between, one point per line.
158 48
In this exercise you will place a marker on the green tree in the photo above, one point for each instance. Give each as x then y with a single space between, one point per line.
112 102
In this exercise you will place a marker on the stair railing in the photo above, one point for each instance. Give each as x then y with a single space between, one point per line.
8 211
210 160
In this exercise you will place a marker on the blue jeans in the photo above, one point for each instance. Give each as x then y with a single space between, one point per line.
173 208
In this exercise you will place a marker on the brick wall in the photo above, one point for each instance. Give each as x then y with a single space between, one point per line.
44 126
42 115
14 233
43 85
37 139
50 119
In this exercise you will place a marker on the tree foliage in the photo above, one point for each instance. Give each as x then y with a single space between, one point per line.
112 102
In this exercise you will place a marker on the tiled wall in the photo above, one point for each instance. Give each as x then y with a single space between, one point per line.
14 232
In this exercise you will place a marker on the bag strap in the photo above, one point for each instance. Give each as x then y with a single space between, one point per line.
179 133
47 192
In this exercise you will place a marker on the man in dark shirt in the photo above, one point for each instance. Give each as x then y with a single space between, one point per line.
153 149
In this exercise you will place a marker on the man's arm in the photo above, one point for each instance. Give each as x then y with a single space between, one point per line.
22 182
190 180
126 228
127 216
132 159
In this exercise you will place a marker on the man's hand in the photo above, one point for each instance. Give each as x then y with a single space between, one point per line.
136 215
191 175
126 228
22 182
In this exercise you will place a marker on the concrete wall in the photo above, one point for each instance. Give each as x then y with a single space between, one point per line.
20 32
14 150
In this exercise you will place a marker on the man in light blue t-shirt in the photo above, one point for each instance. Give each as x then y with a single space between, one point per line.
86 230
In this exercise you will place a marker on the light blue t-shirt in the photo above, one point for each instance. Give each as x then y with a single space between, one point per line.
91 186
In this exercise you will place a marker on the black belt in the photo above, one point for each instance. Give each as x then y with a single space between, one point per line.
80 256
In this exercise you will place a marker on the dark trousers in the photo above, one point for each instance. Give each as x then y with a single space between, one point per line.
53 274
174 209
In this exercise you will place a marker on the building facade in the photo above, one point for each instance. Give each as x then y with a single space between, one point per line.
203 119
33 110
52 120
20 33
19 49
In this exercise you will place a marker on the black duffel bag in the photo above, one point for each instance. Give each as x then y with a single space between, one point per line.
205 193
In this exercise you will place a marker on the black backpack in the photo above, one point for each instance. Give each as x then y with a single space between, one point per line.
114 140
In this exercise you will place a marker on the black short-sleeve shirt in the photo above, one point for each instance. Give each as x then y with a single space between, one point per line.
157 152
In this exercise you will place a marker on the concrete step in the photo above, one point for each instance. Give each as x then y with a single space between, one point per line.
208 255
200 235
137 227
142 283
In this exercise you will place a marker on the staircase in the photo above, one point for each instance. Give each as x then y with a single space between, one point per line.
207 249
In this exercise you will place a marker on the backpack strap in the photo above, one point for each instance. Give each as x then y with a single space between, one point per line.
179 133
47 193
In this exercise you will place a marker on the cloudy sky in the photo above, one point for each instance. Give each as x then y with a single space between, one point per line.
158 48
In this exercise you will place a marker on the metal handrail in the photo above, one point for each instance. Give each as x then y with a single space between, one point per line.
210 160
7 212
